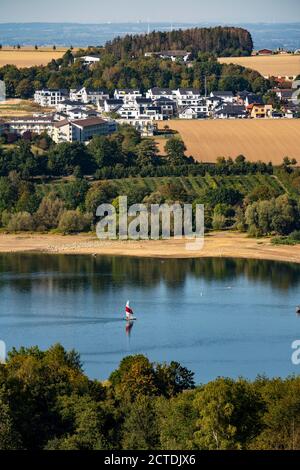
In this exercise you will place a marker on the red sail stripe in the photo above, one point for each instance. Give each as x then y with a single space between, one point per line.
128 310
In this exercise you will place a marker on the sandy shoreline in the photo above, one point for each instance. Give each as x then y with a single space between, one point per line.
220 244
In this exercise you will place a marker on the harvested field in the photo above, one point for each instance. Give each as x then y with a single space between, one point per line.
275 65
18 107
265 140
28 57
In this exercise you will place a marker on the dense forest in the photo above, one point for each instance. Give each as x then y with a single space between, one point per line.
222 41
47 402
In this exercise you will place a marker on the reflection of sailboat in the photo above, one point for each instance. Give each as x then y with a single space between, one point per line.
129 327
129 313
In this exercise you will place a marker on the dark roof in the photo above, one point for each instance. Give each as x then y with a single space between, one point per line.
161 91
73 103
114 101
234 110
222 93
62 123
89 122
254 99
164 100
143 100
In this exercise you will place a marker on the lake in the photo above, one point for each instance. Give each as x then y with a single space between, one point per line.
218 317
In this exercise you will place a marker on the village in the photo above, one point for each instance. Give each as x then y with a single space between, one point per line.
80 114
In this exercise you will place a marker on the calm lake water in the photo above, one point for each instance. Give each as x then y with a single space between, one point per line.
216 317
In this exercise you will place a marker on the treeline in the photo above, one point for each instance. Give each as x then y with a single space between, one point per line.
226 41
142 72
120 155
48 403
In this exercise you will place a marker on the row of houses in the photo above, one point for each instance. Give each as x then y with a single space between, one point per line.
59 128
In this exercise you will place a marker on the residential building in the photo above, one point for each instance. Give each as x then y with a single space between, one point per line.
172 55
247 98
82 130
49 98
127 95
187 97
88 96
112 105
62 131
226 96
230 111
265 52
261 111
157 93
34 124
166 106
68 105
88 60
199 111
284 94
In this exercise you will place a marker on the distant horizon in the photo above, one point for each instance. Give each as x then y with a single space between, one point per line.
153 22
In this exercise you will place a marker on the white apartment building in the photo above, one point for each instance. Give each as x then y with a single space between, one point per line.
127 95
88 96
82 130
34 124
49 98
187 97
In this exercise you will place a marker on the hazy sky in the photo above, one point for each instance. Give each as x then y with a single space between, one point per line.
98 11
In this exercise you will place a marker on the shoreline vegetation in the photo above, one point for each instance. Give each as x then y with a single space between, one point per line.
216 244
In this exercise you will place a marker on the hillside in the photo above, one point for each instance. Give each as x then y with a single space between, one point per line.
220 40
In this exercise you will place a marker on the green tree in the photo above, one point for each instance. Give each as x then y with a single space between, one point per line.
175 151
230 415
141 430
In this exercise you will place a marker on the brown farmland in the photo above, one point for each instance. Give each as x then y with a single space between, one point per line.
274 65
265 140
29 57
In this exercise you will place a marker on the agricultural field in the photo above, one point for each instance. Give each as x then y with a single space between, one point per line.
18 107
29 57
275 65
196 184
266 140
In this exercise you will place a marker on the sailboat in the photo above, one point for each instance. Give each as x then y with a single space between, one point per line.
129 313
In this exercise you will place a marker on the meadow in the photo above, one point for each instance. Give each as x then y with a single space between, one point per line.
265 140
275 65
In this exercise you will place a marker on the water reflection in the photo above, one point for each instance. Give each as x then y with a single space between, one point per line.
79 273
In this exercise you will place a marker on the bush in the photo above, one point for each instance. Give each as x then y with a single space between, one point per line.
218 221
21 221
48 213
75 221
